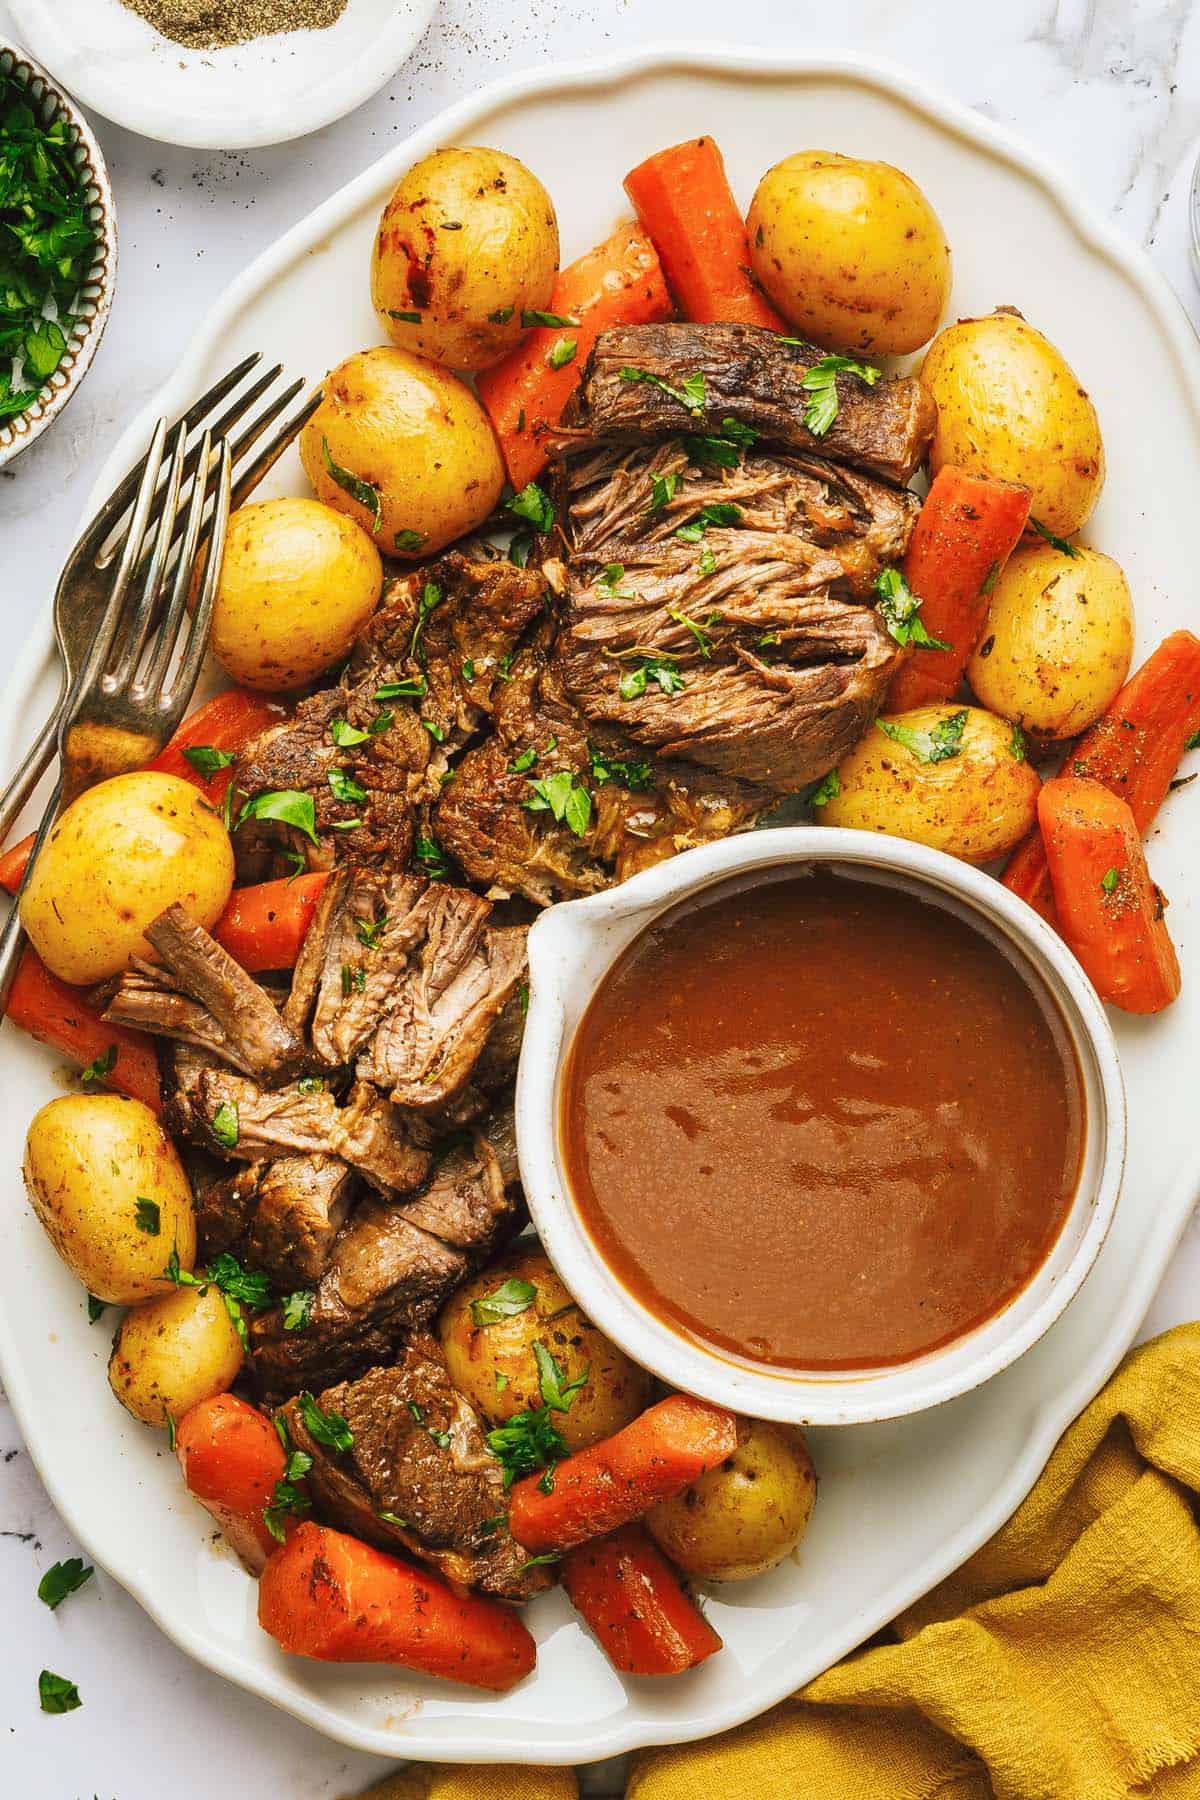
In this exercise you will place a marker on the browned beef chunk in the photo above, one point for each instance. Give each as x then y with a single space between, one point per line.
228 1113
753 377
640 811
280 1217
419 1455
426 1050
860 523
389 1273
255 1038
148 998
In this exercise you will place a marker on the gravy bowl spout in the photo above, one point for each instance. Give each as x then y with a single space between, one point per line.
573 949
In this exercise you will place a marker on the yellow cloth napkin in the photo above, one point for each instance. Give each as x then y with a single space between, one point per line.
1062 1662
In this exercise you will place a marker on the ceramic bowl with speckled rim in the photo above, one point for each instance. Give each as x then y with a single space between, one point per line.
94 304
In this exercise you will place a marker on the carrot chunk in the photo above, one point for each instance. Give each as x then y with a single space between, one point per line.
232 1457
662 1452
631 1597
686 206
328 1596
620 282
1134 750
965 533
264 926
1109 910
65 1018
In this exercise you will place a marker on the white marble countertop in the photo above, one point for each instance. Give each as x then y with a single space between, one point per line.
1108 87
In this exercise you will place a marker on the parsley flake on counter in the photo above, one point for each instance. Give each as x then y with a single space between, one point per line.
510 1298
328 1428
206 759
690 393
662 670
56 1694
103 1065
938 745
287 806
1057 543
96 1309
900 610
365 492
146 1216
63 1579
533 504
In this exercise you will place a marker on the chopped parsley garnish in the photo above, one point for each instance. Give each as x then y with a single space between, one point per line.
557 1391
63 1579
354 981
288 1497
365 492
532 315
504 666
47 245
990 579
224 1125
531 1440
634 773
96 1309
346 736
900 610
237 1286
147 1217
413 687
609 584
662 670
1109 880
1193 742
720 512
825 790
1057 543
297 1309
690 393
547 1556
56 1694
369 931
662 490
408 540
546 1484
1016 744
521 764
391 1518
345 789
706 563
704 642
564 797
437 732
405 318
172 1432
328 1428
431 597
534 505
821 383
103 1065
206 759
938 745
288 806
725 451
311 1084
510 1298
564 352
468 668
432 858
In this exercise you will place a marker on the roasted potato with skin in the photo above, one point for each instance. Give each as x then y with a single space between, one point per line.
170 1354
1009 405
405 449
851 252
108 1186
955 778
745 1516
298 583
495 1367
120 854
1059 640
467 243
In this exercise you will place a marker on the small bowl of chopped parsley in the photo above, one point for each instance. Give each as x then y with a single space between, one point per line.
58 250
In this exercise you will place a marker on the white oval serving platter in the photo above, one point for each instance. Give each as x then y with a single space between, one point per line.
901 1503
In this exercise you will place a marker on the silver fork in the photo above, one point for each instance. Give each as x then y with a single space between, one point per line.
137 676
82 593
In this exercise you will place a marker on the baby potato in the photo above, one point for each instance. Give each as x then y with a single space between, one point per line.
1059 640
746 1515
954 777
467 243
120 854
494 1365
404 448
106 1182
298 583
171 1353
1009 405
850 251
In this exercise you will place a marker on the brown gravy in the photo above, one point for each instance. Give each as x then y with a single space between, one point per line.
820 1122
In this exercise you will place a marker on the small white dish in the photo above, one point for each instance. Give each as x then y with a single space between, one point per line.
572 947
238 98
95 299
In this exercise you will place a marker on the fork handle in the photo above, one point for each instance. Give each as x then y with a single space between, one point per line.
12 937
33 766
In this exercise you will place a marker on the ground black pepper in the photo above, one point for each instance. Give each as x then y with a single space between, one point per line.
213 24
